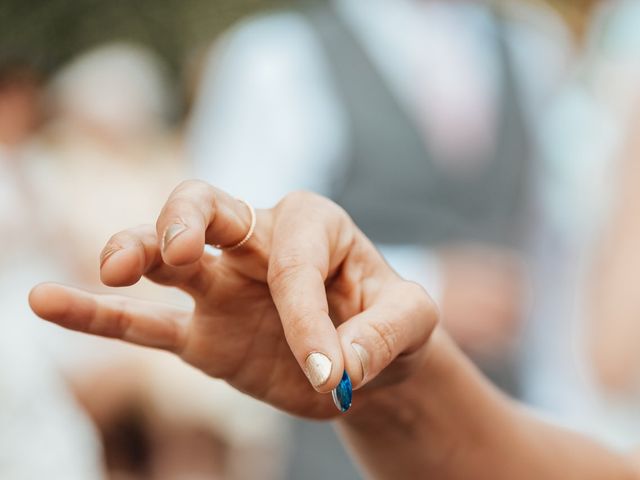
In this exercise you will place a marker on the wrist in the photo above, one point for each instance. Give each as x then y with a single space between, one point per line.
446 407
416 407
406 398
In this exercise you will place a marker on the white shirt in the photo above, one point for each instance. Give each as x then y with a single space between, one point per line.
269 121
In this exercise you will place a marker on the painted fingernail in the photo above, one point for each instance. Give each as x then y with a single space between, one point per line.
317 368
172 233
343 393
363 355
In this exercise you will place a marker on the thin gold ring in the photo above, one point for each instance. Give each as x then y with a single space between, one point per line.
249 234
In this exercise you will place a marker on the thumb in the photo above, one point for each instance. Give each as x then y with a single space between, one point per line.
398 323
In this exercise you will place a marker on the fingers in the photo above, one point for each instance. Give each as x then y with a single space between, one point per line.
133 253
142 323
197 213
398 324
304 252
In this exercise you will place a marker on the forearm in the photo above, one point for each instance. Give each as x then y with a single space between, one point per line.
447 422
613 298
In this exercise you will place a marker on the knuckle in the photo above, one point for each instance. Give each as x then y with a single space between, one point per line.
146 234
299 196
283 266
200 281
309 200
192 185
302 323
385 340
296 201
119 327
171 210
317 206
422 305
113 323
187 193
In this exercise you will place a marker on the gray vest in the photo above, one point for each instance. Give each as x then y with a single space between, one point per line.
393 188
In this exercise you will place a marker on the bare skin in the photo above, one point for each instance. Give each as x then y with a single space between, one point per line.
614 300
257 305
309 281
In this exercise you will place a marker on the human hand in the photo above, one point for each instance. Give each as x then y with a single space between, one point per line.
308 292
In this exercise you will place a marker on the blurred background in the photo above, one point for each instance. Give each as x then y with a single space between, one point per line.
489 148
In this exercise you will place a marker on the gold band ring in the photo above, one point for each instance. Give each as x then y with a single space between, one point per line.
249 234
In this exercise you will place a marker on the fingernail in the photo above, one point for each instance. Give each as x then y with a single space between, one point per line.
171 233
107 253
363 355
317 368
343 393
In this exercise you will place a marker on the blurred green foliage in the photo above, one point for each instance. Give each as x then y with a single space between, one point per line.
47 33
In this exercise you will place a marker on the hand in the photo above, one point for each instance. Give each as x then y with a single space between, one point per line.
307 293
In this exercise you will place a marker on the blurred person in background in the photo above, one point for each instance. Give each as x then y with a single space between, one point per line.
109 147
588 241
110 110
417 117
43 433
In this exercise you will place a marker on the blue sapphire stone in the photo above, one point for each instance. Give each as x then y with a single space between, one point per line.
343 393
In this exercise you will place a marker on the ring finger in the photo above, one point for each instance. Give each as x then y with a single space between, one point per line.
134 253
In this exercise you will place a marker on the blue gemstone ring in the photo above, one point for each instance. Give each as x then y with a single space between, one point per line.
343 393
